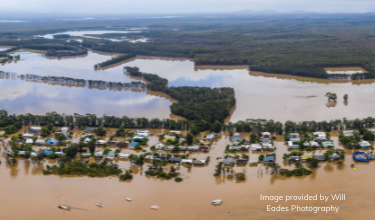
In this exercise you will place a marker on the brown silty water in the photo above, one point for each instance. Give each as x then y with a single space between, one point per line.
28 194
259 95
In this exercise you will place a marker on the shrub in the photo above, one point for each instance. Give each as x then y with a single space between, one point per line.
178 179
240 176
126 176
261 157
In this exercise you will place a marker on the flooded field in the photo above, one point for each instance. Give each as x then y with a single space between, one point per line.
344 70
25 187
259 95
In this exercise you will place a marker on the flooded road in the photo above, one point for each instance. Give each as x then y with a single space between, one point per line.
25 188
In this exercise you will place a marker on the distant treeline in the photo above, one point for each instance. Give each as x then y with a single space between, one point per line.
61 36
73 82
12 123
54 47
114 60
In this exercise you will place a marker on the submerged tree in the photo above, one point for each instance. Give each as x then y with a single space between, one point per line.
331 96
275 168
346 97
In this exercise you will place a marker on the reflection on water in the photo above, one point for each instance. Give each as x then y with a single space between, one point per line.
259 95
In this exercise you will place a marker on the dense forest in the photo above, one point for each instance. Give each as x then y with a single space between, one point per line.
114 60
202 103
54 47
297 44
11 123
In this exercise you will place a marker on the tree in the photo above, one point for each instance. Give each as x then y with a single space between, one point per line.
346 97
189 139
368 136
275 168
126 176
92 146
216 126
45 132
331 96
60 136
240 176
100 131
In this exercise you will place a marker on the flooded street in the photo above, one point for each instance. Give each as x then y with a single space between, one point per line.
25 187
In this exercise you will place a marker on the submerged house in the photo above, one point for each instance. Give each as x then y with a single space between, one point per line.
266 135
122 144
327 144
295 158
349 133
269 159
40 142
199 162
133 144
27 135
174 160
89 130
320 157
294 137
256 147
321 136
52 141
209 138
241 162
29 141
110 155
236 137
34 130
292 146
229 162
193 148
364 144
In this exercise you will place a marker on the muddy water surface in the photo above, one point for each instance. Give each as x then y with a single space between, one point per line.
259 95
27 194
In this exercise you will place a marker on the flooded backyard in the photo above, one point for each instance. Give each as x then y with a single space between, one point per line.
24 186
259 95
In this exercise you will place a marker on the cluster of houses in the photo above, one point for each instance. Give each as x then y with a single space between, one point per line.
35 131
237 139
362 143
319 137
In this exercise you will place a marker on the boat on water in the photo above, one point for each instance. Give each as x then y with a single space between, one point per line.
99 204
155 207
63 206
128 199
216 202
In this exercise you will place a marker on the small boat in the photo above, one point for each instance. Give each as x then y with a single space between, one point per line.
155 207
216 202
63 206
128 199
99 204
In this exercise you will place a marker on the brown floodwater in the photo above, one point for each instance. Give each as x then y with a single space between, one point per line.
259 95
27 194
